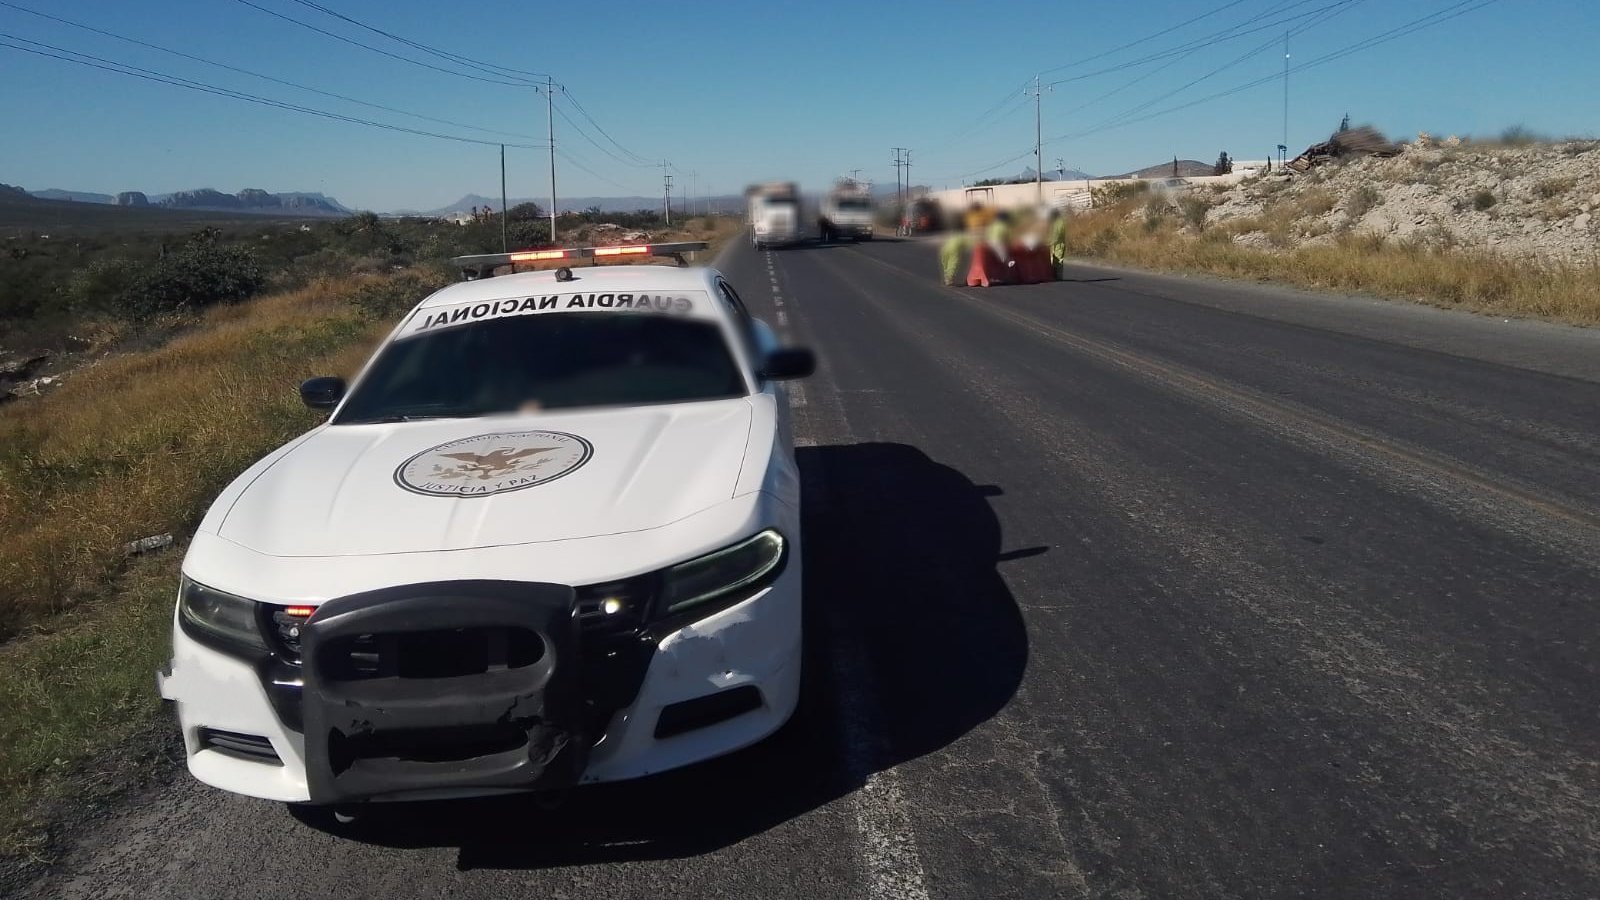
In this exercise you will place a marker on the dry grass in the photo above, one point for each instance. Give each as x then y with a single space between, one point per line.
135 445
1554 187
1419 270
1361 201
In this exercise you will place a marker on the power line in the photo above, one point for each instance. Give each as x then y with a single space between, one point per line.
1011 99
1249 54
603 133
96 62
1146 38
378 50
597 145
1221 36
569 158
273 79
1453 11
486 67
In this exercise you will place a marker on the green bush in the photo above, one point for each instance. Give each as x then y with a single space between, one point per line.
101 284
198 275
389 299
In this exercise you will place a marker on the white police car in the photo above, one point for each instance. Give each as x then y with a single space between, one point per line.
550 535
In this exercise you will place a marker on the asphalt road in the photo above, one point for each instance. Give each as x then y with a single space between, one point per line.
1126 586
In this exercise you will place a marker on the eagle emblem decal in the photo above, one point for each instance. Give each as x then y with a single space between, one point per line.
489 464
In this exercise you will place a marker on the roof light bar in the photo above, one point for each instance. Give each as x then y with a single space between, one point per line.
483 265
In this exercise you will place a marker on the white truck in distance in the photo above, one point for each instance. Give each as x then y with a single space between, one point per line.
846 213
774 213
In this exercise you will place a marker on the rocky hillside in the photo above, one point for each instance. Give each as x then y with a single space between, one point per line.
1540 201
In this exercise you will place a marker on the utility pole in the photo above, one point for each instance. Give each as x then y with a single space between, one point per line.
666 190
1038 146
550 122
905 205
503 248
1284 147
899 195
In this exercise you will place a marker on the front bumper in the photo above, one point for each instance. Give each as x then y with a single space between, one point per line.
711 687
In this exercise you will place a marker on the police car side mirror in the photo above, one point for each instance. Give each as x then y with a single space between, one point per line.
323 392
789 362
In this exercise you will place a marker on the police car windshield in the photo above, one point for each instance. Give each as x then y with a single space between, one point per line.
541 362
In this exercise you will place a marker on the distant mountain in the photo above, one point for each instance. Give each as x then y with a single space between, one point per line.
606 204
249 200
78 196
253 200
20 208
1187 168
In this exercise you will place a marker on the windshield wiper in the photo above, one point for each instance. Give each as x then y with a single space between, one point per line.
404 417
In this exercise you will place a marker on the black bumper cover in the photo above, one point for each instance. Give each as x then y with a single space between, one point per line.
512 722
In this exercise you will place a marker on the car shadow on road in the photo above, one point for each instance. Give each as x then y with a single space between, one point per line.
912 640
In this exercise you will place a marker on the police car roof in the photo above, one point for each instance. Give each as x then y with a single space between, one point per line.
585 279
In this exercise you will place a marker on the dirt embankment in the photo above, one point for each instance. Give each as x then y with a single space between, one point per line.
1536 202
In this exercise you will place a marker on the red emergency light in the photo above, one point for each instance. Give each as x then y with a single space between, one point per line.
483 265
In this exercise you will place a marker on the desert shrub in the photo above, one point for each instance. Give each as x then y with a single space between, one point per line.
1483 200
1315 202
1361 201
1112 194
1554 187
1519 136
1194 210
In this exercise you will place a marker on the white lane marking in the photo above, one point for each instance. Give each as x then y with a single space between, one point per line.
783 319
889 850
777 301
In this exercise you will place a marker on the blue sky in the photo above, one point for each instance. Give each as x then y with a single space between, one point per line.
741 91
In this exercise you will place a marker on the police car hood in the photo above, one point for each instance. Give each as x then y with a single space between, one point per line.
413 487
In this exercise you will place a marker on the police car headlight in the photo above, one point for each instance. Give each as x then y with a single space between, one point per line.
728 575
219 619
